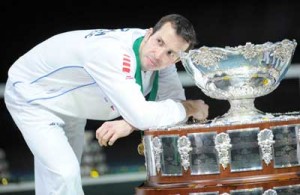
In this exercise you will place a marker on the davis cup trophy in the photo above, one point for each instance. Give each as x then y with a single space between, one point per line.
243 152
239 75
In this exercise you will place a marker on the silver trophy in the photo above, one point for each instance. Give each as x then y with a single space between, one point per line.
239 75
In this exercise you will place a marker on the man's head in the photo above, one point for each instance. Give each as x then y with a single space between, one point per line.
162 44
182 26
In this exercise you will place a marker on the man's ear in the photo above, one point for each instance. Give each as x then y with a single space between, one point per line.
148 33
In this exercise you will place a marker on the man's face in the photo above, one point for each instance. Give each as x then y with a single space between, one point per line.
161 49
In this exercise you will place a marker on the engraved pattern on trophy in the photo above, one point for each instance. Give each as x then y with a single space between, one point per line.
265 142
184 149
157 149
222 142
270 192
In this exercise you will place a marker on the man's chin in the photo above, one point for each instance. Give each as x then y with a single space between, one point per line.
149 68
153 69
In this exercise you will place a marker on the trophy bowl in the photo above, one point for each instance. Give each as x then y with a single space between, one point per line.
239 75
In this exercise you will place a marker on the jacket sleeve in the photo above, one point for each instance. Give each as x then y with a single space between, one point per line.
106 67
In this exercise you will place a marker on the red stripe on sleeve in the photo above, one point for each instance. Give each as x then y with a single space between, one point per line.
126 64
126 69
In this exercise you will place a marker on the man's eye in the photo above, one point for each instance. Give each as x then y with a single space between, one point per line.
171 54
159 42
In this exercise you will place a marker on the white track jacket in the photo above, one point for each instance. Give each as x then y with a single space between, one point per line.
91 74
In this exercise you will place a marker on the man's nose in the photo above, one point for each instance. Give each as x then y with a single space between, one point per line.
160 53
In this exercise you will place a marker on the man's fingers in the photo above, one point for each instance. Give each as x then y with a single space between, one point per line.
109 132
100 136
106 138
113 139
202 112
103 135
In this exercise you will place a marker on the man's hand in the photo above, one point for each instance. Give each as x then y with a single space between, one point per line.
110 131
196 108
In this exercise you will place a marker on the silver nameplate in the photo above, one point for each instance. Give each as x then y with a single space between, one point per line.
203 156
245 152
252 191
170 157
285 146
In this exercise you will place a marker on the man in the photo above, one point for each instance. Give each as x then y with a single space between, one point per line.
97 74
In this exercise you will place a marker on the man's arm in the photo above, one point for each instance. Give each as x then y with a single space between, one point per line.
110 131
196 109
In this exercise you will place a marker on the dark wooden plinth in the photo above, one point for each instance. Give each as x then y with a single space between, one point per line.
226 188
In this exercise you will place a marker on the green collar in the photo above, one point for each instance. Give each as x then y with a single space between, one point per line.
138 73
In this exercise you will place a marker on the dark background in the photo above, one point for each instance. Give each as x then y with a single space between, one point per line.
217 23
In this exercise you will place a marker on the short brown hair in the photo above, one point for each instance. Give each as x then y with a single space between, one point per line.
183 27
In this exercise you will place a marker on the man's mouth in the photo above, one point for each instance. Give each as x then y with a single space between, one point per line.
152 63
